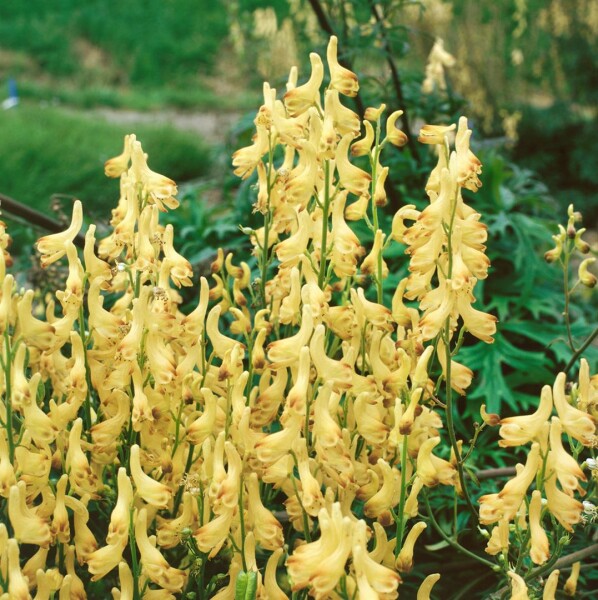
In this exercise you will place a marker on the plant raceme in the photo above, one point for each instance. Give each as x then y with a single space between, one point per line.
290 418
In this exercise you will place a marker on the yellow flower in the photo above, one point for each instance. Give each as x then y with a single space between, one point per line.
540 548
566 510
576 423
518 587
153 492
519 430
424 590
17 584
550 586
571 584
299 99
341 79
404 562
27 526
393 135
53 247
321 564
115 167
352 178
153 564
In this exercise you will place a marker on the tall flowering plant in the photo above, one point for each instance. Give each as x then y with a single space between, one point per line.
286 437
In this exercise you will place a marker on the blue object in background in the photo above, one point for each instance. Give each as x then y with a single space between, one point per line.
13 96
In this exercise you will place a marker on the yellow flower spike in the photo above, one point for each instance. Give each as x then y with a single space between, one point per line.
576 423
153 492
153 564
35 332
283 352
53 247
540 548
518 587
60 526
220 343
521 429
438 59
341 79
499 540
550 586
431 469
17 584
467 166
435 134
266 528
211 536
567 470
321 564
115 167
388 495
27 526
364 145
298 99
425 589
404 562
393 135
82 478
588 279
351 177
381 579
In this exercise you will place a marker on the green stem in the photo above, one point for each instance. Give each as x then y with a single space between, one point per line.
566 289
325 211
134 561
456 545
242 521
374 164
579 351
403 497
8 396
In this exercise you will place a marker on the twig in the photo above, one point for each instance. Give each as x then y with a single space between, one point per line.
396 81
578 352
35 217
498 472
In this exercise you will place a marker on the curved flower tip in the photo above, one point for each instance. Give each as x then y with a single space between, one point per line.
53 247
341 79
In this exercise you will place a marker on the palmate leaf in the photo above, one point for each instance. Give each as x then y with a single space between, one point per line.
553 336
492 362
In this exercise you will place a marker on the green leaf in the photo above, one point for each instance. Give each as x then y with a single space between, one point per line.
246 586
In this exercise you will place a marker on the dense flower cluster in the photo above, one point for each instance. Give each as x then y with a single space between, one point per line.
298 389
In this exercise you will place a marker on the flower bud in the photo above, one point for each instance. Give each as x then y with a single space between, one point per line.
571 583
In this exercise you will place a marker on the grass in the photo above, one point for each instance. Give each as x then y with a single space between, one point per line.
48 151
